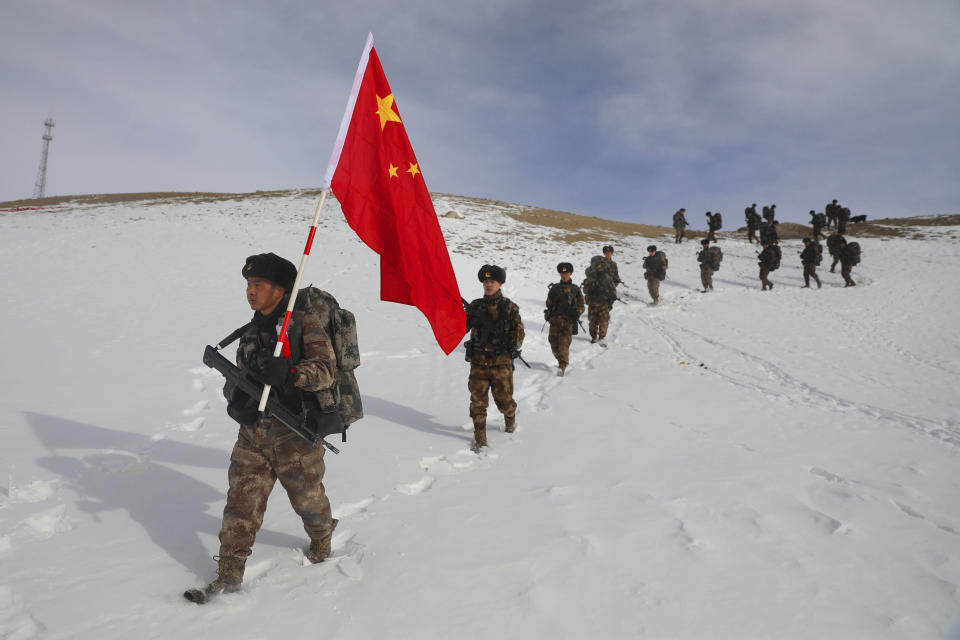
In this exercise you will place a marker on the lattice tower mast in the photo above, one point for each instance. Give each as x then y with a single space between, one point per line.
41 185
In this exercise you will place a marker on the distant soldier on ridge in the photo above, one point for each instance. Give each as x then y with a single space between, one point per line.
714 222
818 221
843 217
770 213
753 222
769 232
832 212
679 224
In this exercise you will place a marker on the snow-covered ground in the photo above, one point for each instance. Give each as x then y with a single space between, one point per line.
740 464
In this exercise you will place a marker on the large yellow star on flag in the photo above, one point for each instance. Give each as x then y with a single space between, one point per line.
413 170
385 111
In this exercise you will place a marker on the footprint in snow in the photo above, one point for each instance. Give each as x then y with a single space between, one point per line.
199 407
192 425
418 487
353 508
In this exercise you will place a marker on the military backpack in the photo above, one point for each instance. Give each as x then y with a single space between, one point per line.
713 257
777 255
833 243
341 327
853 249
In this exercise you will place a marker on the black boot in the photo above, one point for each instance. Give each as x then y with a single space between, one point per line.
229 579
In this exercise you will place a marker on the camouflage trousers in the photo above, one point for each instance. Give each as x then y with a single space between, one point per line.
711 235
259 459
678 235
706 277
599 320
764 280
561 335
653 286
845 270
810 271
752 234
836 259
496 379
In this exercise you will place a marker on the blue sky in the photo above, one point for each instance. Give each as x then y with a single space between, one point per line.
624 110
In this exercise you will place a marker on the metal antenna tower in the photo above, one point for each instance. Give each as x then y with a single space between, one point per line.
41 185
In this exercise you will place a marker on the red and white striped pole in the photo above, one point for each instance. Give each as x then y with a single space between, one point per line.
331 168
282 336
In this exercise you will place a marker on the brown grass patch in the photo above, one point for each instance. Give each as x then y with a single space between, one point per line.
577 228
158 196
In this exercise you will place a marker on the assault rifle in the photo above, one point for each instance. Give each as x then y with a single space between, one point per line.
312 425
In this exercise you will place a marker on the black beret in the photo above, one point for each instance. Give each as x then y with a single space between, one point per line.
564 267
272 267
704 241
492 272
608 247
652 247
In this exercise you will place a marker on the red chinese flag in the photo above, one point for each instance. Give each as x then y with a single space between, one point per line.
376 177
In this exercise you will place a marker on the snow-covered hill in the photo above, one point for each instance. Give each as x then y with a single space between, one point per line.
740 464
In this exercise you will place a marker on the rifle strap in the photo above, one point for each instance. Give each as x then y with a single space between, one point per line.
234 336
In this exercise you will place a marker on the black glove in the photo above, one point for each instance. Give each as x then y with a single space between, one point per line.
278 371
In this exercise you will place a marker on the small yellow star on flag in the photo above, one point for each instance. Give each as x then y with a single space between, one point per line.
413 170
385 111
393 170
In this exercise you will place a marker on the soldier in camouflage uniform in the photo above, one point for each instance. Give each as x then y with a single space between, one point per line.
832 211
810 257
834 241
654 270
266 450
753 222
679 224
496 335
612 268
848 258
711 227
564 307
843 217
600 291
766 261
706 258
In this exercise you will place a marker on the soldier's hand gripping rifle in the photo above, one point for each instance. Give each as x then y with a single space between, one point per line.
310 424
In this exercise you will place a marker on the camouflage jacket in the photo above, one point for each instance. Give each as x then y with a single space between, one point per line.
767 257
655 266
316 364
613 271
496 330
564 301
810 254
